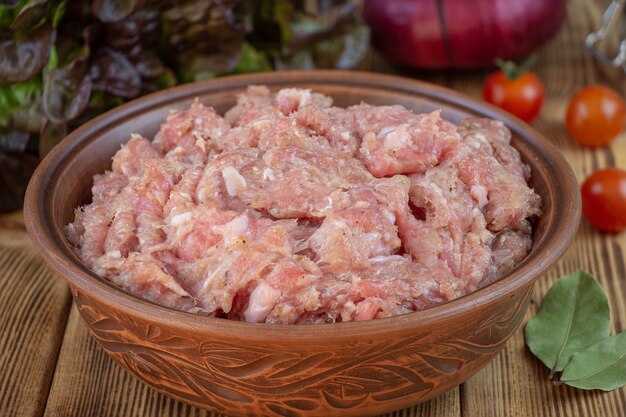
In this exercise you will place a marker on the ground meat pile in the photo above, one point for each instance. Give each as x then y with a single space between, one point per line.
291 210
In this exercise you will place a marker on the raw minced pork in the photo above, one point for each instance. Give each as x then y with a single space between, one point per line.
290 210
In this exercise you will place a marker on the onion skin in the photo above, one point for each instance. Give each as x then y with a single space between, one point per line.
460 33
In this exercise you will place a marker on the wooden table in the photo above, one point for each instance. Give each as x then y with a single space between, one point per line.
50 366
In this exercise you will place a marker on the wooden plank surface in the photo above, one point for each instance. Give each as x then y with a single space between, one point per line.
86 383
33 312
516 384
518 380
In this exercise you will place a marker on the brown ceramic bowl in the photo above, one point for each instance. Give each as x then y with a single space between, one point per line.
347 369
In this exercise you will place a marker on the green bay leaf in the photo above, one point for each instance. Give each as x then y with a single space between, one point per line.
601 365
575 313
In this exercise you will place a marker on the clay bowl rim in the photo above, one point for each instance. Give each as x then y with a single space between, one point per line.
51 243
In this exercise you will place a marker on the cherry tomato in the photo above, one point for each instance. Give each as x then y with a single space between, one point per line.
595 116
604 199
521 95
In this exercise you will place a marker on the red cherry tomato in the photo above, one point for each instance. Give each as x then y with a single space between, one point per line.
604 199
522 96
595 116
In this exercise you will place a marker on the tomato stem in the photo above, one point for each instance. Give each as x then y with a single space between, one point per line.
513 71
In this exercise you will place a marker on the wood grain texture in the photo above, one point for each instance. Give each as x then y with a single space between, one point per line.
13 232
516 384
34 304
87 383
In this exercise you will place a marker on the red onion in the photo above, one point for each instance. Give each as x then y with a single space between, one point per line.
461 33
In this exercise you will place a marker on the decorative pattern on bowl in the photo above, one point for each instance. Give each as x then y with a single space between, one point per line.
343 369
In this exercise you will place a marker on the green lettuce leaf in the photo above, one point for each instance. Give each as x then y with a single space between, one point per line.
202 37
30 16
337 38
67 90
252 60
9 4
20 105
112 72
114 10
24 54
49 135
12 140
